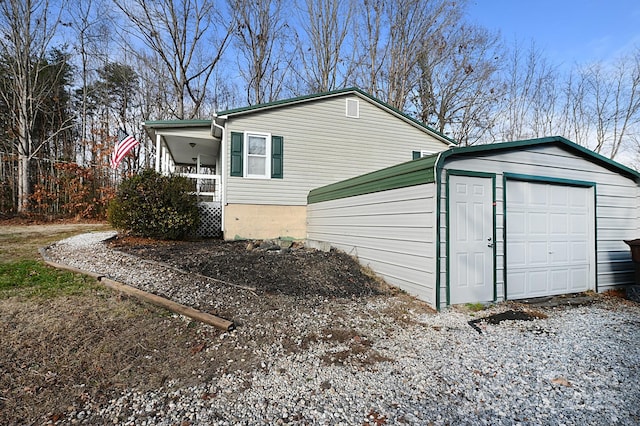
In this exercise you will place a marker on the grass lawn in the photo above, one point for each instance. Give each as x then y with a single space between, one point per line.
22 271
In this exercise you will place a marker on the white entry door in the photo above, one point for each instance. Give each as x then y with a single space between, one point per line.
471 225
550 239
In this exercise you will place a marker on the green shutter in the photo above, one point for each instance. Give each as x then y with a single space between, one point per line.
236 153
277 154
416 155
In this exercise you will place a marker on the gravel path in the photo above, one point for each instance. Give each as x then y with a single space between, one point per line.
578 366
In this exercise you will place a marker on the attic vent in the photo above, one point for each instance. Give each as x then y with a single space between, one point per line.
353 108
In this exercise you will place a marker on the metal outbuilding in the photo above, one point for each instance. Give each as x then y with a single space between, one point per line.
510 220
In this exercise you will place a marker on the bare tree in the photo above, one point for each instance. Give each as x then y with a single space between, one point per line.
326 59
459 88
27 28
575 122
189 37
614 94
600 91
261 39
545 104
627 96
413 24
89 24
372 47
527 75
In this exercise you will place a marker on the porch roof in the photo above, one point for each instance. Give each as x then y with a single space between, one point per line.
186 139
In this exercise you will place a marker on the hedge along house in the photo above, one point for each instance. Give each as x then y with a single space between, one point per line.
486 223
256 165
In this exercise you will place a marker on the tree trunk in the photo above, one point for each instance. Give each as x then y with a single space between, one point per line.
24 189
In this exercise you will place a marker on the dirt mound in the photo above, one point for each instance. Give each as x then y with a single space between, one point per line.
283 268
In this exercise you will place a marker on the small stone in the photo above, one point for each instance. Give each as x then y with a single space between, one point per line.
285 244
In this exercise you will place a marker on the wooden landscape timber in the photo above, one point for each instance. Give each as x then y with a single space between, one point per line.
154 299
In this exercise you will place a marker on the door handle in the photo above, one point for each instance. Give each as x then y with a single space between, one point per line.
489 243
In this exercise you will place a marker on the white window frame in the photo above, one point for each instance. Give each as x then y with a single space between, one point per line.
245 154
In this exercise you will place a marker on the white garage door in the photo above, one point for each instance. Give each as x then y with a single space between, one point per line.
550 239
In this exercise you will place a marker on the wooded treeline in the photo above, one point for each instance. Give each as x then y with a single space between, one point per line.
73 72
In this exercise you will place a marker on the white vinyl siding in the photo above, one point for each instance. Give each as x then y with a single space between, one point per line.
616 205
323 146
392 232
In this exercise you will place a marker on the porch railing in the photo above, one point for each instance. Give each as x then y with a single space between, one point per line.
208 186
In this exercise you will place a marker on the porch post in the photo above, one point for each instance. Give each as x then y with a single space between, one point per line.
198 172
158 156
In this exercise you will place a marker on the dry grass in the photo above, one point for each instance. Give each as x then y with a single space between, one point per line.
20 242
60 348
358 349
59 352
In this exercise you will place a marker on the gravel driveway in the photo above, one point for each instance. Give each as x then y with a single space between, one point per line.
381 359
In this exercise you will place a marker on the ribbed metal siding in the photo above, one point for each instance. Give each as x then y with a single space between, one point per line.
392 232
617 204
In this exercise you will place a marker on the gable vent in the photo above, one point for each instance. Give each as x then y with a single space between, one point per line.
353 108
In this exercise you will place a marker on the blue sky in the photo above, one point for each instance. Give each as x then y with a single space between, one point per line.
568 31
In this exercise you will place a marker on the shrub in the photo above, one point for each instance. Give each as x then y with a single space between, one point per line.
155 206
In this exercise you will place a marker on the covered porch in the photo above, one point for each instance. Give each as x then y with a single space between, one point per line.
192 148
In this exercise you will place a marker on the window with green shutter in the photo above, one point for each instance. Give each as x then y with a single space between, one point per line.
257 155
237 142
277 156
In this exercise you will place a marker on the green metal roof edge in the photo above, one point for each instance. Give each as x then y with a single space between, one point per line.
282 102
411 173
175 123
420 171
291 101
607 162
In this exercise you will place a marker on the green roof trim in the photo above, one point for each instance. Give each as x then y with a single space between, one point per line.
355 90
153 124
581 150
421 171
411 173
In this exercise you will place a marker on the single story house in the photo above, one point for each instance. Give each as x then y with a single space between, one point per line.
255 166
487 223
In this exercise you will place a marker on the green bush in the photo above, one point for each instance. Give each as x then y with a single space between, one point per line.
155 206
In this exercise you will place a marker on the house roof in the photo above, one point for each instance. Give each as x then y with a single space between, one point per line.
424 170
340 92
181 135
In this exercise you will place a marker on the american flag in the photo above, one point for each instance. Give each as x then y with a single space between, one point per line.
126 143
